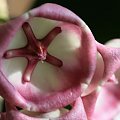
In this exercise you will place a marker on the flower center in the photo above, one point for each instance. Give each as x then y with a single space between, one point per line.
35 50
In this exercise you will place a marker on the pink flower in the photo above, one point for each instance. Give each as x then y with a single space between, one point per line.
48 61
105 105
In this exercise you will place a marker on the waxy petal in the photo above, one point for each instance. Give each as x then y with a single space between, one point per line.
76 113
97 78
8 92
108 65
111 58
8 30
108 102
115 43
89 102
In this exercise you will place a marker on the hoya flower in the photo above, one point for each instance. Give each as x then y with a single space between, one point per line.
108 64
106 103
46 55
49 59
109 98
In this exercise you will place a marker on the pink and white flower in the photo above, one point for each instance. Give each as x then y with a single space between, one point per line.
49 59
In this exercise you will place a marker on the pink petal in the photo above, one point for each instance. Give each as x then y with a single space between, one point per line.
89 102
116 44
8 30
76 113
8 92
107 64
96 80
108 102
111 57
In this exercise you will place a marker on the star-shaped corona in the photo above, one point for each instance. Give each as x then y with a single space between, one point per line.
35 50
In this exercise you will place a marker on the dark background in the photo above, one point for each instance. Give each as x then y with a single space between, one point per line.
103 17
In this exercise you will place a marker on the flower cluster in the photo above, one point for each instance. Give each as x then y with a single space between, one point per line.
49 59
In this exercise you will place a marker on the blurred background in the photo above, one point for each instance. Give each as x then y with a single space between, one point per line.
103 17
